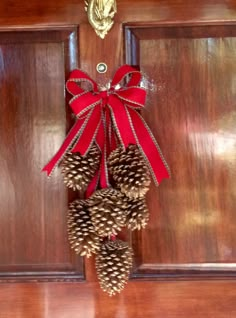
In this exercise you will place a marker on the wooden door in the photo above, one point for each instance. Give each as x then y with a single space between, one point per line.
185 261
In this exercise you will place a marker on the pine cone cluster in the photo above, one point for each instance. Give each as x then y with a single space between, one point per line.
108 210
78 170
113 265
81 233
129 171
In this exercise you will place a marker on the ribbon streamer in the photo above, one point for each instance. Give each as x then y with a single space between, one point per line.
108 118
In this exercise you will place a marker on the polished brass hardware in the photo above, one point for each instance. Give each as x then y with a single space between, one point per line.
100 15
101 67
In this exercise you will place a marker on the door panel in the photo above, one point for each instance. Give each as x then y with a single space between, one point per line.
185 259
191 110
32 127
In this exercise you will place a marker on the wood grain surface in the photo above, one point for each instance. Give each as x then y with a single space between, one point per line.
32 127
191 110
51 13
188 51
149 299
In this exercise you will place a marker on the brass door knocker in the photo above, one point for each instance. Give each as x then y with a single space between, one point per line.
100 15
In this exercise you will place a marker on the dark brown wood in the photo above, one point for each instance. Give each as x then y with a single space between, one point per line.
190 241
192 114
149 299
52 14
33 208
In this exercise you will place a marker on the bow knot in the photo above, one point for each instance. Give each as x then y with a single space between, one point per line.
104 96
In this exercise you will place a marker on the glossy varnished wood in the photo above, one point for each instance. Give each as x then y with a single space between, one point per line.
149 299
171 246
192 114
32 127
50 14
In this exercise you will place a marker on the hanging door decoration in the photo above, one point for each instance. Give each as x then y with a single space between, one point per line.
111 155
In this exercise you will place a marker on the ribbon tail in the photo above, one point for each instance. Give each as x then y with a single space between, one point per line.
121 122
92 185
111 136
71 137
149 147
101 141
88 135
104 179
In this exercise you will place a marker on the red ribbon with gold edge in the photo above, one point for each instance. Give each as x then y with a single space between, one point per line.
105 116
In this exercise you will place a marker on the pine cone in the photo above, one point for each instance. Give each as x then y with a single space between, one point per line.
138 214
82 236
79 170
129 171
113 264
108 209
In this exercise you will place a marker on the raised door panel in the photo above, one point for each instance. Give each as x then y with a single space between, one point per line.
33 123
191 110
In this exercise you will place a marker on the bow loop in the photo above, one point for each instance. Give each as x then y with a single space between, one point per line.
133 96
123 72
82 103
78 76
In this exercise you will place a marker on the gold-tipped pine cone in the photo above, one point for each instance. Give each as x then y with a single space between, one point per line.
137 214
81 233
113 264
79 170
129 171
108 210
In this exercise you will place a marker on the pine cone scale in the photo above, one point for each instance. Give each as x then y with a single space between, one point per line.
78 170
107 208
113 266
81 234
129 171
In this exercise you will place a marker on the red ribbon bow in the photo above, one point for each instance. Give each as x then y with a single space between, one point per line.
107 118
